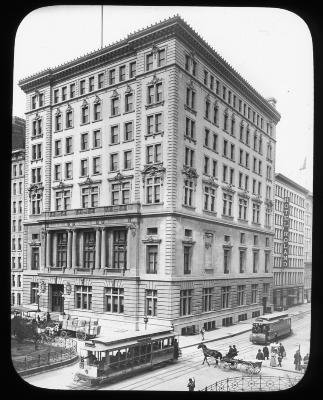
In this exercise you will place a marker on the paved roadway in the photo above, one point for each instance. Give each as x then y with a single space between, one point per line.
175 376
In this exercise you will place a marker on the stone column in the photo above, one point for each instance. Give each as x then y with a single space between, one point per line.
54 250
103 248
80 263
43 250
74 248
110 248
69 249
97 248
129 248
48 249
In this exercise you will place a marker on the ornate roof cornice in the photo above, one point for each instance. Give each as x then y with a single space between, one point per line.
171 27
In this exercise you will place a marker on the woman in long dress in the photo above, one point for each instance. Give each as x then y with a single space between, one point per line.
273 359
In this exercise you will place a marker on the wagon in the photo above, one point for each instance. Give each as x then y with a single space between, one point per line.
252 367
81 328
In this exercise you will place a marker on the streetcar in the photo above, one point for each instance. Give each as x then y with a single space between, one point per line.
268 328
105 361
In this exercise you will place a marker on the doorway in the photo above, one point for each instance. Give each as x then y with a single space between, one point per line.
57 298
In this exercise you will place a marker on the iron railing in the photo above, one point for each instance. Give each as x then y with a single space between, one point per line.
59 350
253 384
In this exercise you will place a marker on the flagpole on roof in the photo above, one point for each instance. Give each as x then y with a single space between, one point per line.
101 27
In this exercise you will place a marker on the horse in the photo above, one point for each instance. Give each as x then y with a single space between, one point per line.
209 353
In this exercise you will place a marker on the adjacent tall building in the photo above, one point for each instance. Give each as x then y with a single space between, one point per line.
149 185
17 209
289 242
308 248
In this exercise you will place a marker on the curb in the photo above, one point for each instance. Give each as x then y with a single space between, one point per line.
219 338
46 368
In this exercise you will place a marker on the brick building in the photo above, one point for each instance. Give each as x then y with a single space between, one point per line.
149 185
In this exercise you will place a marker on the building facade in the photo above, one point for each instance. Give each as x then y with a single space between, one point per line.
17 218
153 193
18 133
308 248
289 243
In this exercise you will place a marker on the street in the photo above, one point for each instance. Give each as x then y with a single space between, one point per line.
175 376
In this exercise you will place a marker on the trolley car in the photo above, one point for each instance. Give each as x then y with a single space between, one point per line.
105 361
268 328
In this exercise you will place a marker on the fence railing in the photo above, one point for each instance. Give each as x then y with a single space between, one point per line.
60 350
253 384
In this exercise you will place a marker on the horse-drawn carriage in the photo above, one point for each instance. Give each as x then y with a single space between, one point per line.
82 329
250 366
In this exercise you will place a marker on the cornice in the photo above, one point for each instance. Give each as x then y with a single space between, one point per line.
172 27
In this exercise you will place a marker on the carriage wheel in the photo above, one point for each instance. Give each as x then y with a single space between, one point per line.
81 335
233 366
64 334
256 370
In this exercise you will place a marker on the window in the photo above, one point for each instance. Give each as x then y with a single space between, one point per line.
37 127
100 80
127 157
226 260
36 175
68 170
114 134
207 109
33 102
149 62
84 141
132 69
254 186
19 225
64 93
241 295
243 206
232 126
227 204
254 164
206 165
35 203
240 179
36 152
259 167
69 119
89 249
153 154
161 58
112 77
155 93
83 297
128 131
232 151
56 96
122 73
188 192
154 124
96 111
187 259
224 173
68 145
225 297
58 122
190 128
152 259
151 302
114 300
128 102
33 292
225 121
231 176
186 302
207 299
120 193
120 249
224 90
114 162
212 82
190 98
255 261
247 160
96 165
35 258
205 80
267 257
259 188
84 167
209 198
13 244
85 114
115 106
225 148
254 293
242 261
255 213
153 190
96 139
255 240
58 147
214 168
63 200
61 250
13 226
72 90
90 196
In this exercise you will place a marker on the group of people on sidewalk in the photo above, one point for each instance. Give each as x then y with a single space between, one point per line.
276 356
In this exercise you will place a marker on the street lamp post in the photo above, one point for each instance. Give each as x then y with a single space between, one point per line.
145 321
63 297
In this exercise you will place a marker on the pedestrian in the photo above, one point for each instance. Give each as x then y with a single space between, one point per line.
234 351
202 331
279 358
273 361
191 384
297 360
281 350
260 355
176 352
276 338
266 353
38 318
48 316
305 361
230 352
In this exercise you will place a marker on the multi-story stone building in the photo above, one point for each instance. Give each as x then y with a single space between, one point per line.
17 218
308 248
288 242
18 133
149 185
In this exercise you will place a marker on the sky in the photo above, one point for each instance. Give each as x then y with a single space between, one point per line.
271 48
